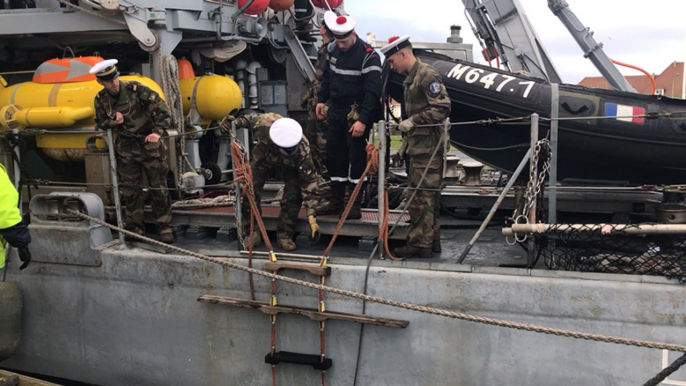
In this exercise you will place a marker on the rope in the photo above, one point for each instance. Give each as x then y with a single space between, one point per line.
395 303
662 375
169 74
223 200
372 168
244 173
383 232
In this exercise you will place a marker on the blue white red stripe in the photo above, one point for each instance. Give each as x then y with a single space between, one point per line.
625 113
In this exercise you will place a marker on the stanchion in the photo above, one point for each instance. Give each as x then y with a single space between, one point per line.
495 207
381 199
531 254
237 186
115 184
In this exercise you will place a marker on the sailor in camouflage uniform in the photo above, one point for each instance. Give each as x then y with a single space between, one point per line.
315 131
426 103
281 146
139 117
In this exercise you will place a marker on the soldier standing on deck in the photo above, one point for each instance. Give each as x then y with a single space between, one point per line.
352 85
426 103
315 131
281 146
139 117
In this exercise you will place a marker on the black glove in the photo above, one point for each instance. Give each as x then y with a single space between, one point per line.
25 257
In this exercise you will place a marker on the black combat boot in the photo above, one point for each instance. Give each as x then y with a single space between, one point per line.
333 204
436 247
409 252
356 210
303 32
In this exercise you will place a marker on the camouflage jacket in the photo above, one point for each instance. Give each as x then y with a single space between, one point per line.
267 152
310 98
143 109
426 102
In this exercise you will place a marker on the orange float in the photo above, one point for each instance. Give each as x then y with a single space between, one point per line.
257 6
281 5
323 3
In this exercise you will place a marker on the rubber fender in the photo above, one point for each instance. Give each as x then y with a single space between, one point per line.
11 304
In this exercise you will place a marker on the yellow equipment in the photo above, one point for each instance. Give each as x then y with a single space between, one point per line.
58 99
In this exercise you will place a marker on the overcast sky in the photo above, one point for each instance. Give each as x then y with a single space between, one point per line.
649 34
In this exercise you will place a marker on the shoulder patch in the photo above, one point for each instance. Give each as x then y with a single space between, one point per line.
435 88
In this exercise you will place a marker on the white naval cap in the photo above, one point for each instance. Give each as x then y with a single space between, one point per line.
105 70
395 44
286 132
339 25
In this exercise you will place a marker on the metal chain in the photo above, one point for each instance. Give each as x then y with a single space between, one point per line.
533 191
394 303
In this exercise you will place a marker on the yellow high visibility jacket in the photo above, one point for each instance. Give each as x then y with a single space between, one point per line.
9 212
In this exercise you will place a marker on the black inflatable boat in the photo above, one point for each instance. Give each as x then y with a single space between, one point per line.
621 147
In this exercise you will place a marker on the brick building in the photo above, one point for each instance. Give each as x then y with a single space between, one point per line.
669 83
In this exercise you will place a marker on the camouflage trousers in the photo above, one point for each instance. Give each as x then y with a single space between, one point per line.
315 132
425 207
290 202
134 159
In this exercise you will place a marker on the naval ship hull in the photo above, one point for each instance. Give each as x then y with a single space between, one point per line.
634 150
98 314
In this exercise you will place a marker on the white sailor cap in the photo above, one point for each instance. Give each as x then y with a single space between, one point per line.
105 70
339 25
395 44
286 132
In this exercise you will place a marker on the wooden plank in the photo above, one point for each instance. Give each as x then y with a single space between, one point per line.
314 269
311 313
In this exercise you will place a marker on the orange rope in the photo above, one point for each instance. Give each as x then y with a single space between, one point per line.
372 168
383 232
639 69
244 173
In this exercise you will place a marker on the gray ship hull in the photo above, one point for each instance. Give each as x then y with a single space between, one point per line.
134 320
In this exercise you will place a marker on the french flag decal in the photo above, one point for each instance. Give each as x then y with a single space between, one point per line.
625 113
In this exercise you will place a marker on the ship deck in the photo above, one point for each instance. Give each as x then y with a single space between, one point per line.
490 250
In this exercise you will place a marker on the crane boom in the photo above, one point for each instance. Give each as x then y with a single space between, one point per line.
592 49
507 32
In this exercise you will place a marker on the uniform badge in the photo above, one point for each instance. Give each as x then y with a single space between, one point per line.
435 88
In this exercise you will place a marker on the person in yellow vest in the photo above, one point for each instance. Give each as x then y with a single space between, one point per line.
12 228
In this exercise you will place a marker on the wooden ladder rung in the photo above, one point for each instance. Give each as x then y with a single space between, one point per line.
314 269
311 313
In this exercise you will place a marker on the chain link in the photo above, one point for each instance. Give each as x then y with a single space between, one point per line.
534 190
